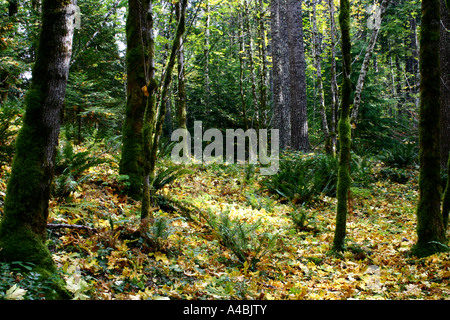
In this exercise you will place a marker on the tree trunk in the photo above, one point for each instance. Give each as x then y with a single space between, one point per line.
246 21
430 227
242 70
366 62
316 50
344 129
23 228
445 83
297 77
138 70
263 85
206 51
280 62
181 106
155 114
334 85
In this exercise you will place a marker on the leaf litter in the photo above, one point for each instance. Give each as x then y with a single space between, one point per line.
192 261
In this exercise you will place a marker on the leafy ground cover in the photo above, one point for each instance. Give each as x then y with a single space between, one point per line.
216 235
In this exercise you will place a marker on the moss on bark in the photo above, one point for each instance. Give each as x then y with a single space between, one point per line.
344 130
430 226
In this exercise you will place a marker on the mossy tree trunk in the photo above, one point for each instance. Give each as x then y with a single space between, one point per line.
138 75
156 111
430 227
23 228
344 130
445 83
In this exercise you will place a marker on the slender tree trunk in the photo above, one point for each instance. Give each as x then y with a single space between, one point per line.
263 85
366 62
334 85
297 77
430 227
242 70
316 50
137 60
150 113
248 31
181 106
344 127
23 228
155 114
206 51
445 83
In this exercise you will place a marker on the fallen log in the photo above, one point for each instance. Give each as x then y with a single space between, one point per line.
70 226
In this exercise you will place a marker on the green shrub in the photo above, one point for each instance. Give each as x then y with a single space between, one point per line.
167 175
241 238
302 178
20 281
400 155
70 167
9 126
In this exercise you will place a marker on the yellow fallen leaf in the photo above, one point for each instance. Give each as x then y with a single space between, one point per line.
159 256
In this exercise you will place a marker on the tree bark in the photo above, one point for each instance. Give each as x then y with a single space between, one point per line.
344 129
297 77
316 51
430 227
155 114
445 83
23 228
138 71
246 22
334 85
366 62
280 62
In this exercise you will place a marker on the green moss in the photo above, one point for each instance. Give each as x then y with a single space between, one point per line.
344 130
430 224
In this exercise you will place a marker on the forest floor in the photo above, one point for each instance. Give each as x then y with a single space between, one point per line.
187 258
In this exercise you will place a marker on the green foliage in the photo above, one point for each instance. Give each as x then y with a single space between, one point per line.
301 178
167 175
158 233
10 121
70 168
241 238
401 155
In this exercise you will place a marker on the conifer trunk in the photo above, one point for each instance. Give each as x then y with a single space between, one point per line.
430 227
344 130
23 228
297 77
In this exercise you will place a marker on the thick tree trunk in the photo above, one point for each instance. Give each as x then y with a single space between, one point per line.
445 83
430 227
138 70
280 62
344 129
23 228
297 77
